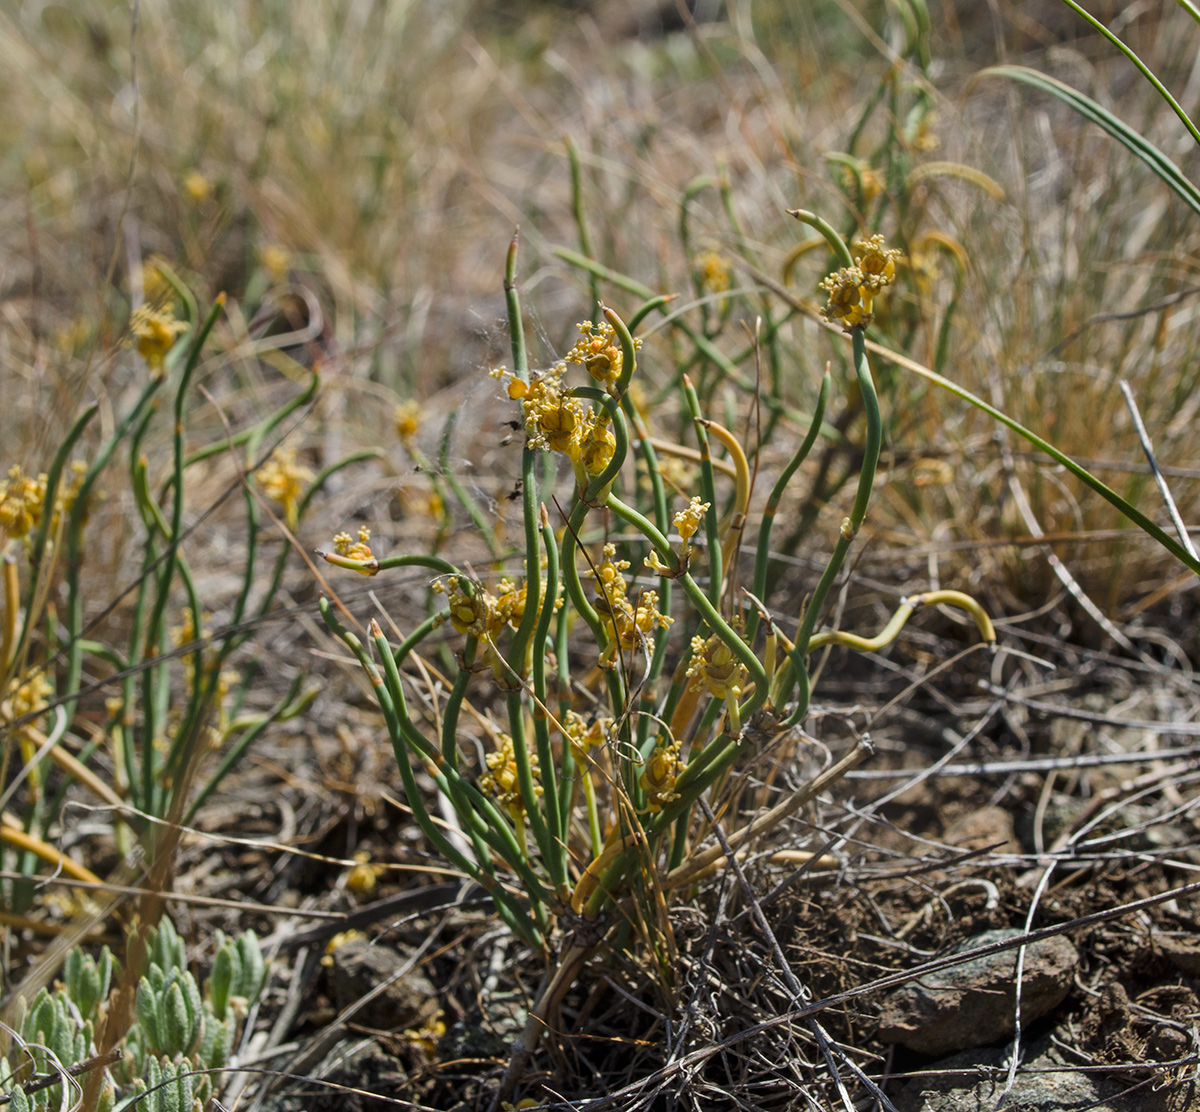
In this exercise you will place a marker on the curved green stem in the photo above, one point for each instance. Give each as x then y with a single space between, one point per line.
763 555
628 352
836 243
794 669
708 492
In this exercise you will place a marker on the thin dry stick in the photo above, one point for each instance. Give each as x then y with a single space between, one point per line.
1183 729
45 1080
1148 449
1034 764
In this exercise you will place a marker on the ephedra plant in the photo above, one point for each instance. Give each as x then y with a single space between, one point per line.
620 680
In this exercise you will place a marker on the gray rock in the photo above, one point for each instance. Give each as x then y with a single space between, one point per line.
352 1071
1062 1090
973 1004
359 967
1183 953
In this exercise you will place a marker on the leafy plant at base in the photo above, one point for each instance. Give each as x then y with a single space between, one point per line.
172 1053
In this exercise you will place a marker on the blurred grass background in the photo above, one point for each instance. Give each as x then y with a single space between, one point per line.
369 160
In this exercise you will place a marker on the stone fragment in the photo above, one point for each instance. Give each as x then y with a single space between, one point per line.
359 967
1046 1083
1183 953
973 1004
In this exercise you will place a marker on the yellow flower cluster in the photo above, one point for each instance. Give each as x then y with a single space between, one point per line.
662 769
362 877
713 272
599 353
553 420
629 623
198 188
21 502
154 331
853 288
560 423
408 420
345 545
283 480
275 260
582 737
713 666
477 613
501 780
29 695
687 521
597 446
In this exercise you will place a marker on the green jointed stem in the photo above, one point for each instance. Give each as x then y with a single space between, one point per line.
412 792
450 716
528 786
838 245
795 669
518 651
585 239
482 816
254 435
1145 71
544 833
643 524
763 554
708 493
433 563
454 703
516 327
166 572
560 818
647 307
74 534
628 352
1136 143
571 573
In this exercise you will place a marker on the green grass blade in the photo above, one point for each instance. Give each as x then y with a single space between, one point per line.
1141 66
1119 130
1080 472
